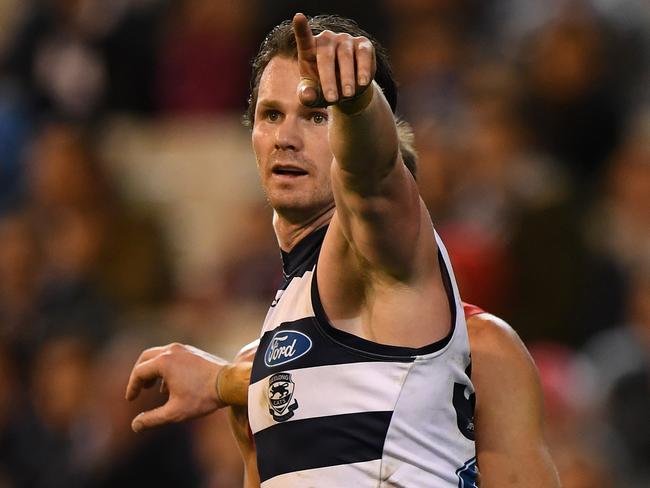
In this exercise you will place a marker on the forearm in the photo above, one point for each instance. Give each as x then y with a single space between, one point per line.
363 136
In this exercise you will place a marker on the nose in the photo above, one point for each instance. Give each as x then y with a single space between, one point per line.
288 136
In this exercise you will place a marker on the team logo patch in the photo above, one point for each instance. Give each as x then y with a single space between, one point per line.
286 346
281 388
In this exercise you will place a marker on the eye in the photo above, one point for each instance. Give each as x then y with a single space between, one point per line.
319 118
272 115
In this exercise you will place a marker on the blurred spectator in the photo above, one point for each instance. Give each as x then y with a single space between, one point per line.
631 20
20 262
580 467
75 56
482 266
374 20
90 237
255 272
217 452
569 385
204 58
12 401
573 106
618 230
621 356
502 177
15 130
427 54
41 451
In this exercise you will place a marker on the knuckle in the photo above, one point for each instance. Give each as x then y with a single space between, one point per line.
175 347
163 360
365 45
324 38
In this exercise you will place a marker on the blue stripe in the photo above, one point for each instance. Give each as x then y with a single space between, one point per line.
467 474
320 442
324 351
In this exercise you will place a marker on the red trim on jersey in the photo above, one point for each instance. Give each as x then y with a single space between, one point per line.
471 310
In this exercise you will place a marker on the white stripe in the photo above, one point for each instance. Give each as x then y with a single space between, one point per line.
358 387
424 446
293 303
358 475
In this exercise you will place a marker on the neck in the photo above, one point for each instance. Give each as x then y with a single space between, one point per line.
289 233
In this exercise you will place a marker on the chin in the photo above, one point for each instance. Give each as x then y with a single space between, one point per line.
299 209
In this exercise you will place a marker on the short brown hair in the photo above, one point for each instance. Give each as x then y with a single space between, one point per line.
281 42
407 145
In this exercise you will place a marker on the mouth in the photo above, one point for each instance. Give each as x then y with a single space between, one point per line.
288 170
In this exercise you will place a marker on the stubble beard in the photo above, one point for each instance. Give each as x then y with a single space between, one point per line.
309 199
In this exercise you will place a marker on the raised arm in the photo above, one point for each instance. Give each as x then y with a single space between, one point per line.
376 197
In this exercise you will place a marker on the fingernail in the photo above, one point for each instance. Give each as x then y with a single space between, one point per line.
137 426
306 92
348 91
331 96
363 80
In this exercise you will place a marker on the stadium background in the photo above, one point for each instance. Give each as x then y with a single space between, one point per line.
130 213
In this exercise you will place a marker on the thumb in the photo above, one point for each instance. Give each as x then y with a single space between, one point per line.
310 93
156 417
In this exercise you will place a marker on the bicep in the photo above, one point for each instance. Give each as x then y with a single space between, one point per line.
510 444
370 220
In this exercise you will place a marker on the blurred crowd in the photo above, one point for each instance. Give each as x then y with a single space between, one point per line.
130 214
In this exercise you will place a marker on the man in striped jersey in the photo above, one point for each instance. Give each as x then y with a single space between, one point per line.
363 376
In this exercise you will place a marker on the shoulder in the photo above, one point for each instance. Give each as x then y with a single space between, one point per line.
502 367
509 416
488 334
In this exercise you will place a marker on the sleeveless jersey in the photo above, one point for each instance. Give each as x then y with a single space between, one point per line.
331 409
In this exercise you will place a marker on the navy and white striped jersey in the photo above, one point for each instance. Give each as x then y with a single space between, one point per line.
330 409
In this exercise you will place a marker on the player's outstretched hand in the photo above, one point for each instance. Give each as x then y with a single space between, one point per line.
188 375
333 66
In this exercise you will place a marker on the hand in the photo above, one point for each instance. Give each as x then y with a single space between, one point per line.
333 66
189 376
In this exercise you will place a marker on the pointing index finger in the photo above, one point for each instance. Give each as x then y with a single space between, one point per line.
309 87
305 42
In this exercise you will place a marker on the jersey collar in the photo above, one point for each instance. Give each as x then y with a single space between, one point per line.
301 252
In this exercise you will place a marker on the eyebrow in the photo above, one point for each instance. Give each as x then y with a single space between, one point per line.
269 102
266 103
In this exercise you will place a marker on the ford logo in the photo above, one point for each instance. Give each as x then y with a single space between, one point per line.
285 346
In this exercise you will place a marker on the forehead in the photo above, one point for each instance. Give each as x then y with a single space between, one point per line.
279 79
